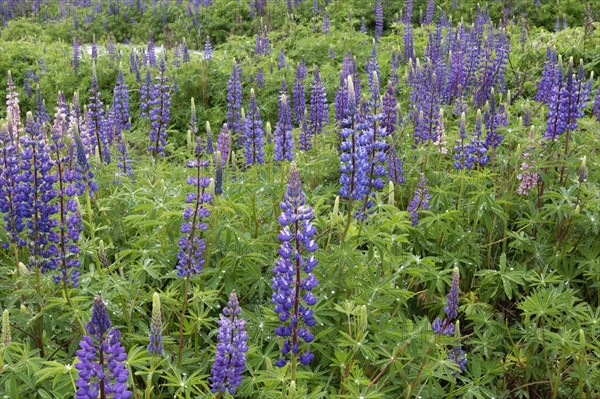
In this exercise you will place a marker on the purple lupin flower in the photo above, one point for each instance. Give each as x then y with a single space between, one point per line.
429 12
37 165
159 111
408 38
185 52
176 57
94 49
234 102
476 151
446 326
191 245
299 98
420 200
146 94
349 146
284 142
102 371
260 78
558 104
150 52
208 50
224 144
395 170
230 356
326 22
156 325
292 294
408 11
318 107
388 122
460 149
96 115
378 20
63 251
254 133
528 174
281 63
13 111
120 106
596 110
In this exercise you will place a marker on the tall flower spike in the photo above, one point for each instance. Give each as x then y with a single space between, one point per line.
156 339
299 98
102 371
420 200
234 103
292 294
318 107
446 326
160 111
378 20
254 133
208 50
284 142
191 246
230 357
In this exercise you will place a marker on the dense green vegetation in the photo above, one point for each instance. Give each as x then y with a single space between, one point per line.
529 303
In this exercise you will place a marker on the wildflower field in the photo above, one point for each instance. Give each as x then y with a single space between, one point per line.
299 199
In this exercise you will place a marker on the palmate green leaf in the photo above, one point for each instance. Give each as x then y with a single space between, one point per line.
58 371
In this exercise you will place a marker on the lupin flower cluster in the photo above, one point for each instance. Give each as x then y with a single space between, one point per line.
294 280
159 105
284 141
230 356
254 133
420 200
101 367
190 257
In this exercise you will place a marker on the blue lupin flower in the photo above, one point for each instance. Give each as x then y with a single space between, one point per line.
292 294
208 50
230 356
254 133
191 245
420 200
284 142
101 366
160 111
446 326
234 103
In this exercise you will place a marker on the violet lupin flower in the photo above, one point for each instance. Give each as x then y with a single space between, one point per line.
548 79
40 113
318 107
76 55
102 371
558 104
254 133
120 105
260 78
460 149
63 251
429 12
420 200
378 20
37 165
349 146
96 130
292 294
185 52
326 22
284 141
230 356
156 339
224 144
528 174
208 50
191 246
596 110
151 54
446 326
476 151
234 103
146 94
388 122
13 195
281 63
160 111
299 98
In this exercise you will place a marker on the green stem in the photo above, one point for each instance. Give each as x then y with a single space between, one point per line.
182 318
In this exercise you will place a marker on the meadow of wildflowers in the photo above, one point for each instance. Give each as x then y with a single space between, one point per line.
395 199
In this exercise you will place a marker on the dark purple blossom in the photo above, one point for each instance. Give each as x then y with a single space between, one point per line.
101 366
420 200
230 356
299 98
284 142
292 294
208 50
120 105
159 111
254 133
447 326
318 107
234 102
378 20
